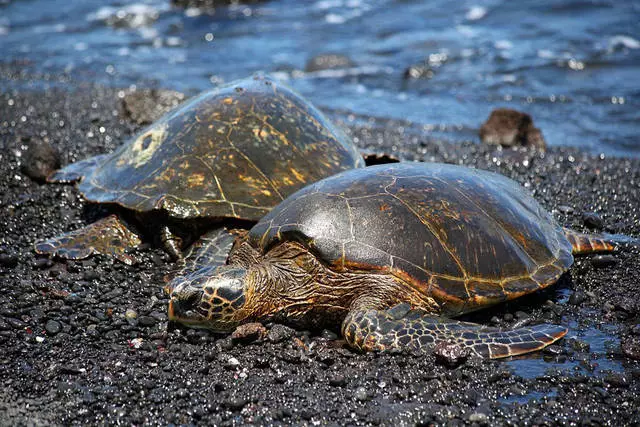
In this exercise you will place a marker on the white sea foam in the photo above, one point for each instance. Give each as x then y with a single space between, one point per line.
623 41
131 16
503 44
334 18
475 13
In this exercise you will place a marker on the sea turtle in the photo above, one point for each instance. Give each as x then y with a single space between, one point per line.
391 252
231 153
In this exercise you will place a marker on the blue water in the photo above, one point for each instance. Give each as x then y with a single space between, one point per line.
601 341
573 64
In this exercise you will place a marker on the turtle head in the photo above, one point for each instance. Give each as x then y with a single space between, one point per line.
210 298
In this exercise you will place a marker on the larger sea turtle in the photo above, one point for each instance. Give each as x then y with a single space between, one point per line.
390 252
231 153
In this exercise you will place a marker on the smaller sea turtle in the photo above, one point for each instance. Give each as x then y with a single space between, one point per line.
389 252
232 153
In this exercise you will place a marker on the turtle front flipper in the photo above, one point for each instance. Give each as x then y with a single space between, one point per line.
76 171
107 236
206 254
209 251
403 328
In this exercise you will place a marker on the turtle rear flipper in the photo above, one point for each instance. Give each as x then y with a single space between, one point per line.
107 236
76 171
586 243
403 328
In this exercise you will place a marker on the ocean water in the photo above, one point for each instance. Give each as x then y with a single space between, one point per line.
574 65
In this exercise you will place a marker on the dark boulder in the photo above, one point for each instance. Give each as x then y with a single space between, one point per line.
510 128
144 106
40 160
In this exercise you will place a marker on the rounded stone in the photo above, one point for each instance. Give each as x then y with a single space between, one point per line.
604 261
279 333
40 160
361 394
592 220
52 327
8 260
147 321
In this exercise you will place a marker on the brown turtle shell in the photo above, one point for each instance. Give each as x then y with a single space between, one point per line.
465 237
233 152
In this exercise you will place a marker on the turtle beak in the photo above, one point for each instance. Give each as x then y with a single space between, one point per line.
172 313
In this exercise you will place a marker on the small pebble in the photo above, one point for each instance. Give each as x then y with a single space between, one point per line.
580 345
361 394
8 260
42 263
147 321
478 417
338 380
450 354
329 335
419 71
631 347
279 333
603 261
602 392
52 327
577 298
91 275
232 363
71 370
15 323
249 332
130 314
565 209
235 403
592 220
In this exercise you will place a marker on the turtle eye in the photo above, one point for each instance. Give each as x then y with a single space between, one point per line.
194 296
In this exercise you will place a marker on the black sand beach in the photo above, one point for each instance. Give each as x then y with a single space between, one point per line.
89 342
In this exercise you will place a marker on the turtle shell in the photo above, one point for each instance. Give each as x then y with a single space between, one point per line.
465 237
233 152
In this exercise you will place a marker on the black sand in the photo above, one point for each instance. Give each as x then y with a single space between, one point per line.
72 353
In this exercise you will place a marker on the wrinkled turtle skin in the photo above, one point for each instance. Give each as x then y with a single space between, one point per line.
233 152
386 251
